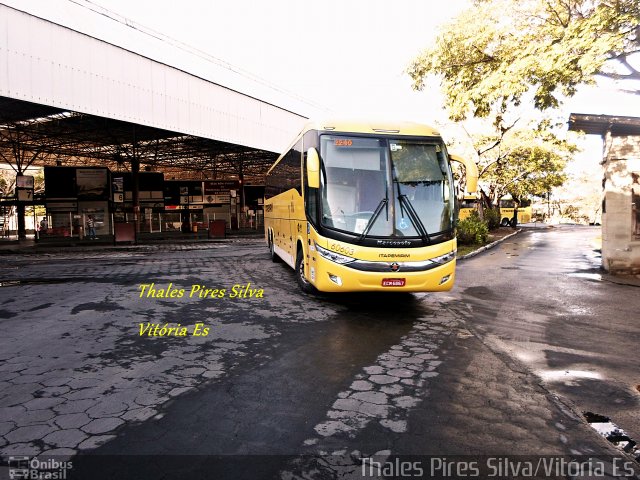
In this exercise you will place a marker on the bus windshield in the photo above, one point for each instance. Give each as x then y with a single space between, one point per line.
385 188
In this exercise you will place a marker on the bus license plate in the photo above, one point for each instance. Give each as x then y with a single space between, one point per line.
393 282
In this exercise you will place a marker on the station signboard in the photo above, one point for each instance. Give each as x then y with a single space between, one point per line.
24 181
219 191
92 183
117 186
62 206
25 195
24 188
218 198
211 187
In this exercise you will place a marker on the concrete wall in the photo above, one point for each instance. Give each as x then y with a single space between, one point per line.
620 246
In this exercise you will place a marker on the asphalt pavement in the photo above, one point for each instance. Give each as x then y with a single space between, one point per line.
542 300
286 385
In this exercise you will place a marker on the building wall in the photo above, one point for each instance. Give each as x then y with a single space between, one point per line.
620 242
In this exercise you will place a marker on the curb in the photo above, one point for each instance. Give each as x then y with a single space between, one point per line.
620 280
488 246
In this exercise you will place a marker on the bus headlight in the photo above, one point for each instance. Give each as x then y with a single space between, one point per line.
442 259
333 256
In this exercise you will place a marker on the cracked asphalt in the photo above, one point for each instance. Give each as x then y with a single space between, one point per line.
283 386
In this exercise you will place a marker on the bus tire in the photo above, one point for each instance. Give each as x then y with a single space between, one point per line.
303 283
505 222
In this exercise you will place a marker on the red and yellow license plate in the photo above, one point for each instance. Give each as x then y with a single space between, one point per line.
393 282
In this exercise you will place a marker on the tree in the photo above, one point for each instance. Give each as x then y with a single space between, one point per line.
7 189
498 51
580 199
521 162
7 183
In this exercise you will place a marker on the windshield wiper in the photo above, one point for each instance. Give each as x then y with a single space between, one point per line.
413 216
373 218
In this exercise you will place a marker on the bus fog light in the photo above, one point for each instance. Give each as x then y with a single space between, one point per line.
444 279
335 279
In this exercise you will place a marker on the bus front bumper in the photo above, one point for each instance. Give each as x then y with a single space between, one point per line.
333 277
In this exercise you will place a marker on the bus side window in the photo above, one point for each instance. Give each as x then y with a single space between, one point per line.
310 194
293 163
311 198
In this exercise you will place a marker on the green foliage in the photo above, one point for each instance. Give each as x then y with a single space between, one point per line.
580 199
38 181
7 182
472 230
523 163
492 218
497 51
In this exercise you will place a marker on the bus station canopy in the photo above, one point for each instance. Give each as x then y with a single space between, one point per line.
42 135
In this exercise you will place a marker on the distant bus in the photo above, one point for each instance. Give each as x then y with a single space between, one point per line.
467 205
355 207
506 211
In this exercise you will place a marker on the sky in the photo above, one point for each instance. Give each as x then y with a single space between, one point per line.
344 57
347 56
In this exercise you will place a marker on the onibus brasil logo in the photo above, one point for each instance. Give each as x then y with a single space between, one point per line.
37 468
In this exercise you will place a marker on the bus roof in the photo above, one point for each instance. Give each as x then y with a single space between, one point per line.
372 127
363 126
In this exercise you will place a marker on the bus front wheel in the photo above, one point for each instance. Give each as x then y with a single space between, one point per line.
303 283
505 222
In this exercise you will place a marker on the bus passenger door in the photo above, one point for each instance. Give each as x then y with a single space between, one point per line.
285 229
281 227
297 222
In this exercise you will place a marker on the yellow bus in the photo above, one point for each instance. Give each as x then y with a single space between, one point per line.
467 205
507 205
359 207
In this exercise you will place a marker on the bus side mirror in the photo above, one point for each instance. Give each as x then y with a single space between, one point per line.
471 171
313 168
